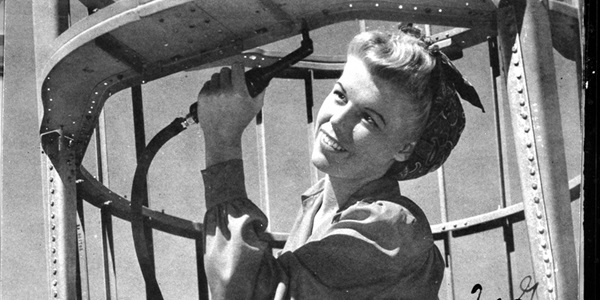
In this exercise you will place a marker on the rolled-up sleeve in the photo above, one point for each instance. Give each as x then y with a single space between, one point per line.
237 263
371 250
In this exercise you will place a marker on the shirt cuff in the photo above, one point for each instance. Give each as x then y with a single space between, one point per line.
224 182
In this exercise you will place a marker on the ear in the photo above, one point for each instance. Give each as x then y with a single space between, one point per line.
405 152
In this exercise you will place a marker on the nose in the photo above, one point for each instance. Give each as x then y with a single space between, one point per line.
342 120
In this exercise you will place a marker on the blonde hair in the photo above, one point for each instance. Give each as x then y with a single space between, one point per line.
402 59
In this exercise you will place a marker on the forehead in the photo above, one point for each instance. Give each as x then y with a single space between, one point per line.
367 90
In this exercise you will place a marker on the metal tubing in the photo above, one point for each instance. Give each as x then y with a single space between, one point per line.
108 253
202 281
83 282
543 94
262 166
61 202
448 272
531 86
507 226
310 126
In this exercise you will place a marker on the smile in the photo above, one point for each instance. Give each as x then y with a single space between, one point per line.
331 143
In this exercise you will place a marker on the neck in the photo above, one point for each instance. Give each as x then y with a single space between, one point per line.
338 190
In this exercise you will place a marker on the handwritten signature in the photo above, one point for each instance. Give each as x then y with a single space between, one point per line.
525 286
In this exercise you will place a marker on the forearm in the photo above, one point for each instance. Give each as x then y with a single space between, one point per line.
218 150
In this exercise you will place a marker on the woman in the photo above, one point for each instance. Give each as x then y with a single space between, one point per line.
393 115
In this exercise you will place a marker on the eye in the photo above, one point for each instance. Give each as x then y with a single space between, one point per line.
340 97
369 120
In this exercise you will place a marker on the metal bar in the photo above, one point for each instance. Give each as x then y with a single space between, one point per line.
108 253
61 202
202 281
83 284
262 166
310 126
507 226
110 274
140 145
448 274
102 151
531 86
539 69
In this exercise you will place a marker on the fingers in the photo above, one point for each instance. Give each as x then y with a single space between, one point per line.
225 78
215 82
238 78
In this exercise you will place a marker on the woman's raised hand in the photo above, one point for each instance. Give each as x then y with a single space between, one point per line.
224 107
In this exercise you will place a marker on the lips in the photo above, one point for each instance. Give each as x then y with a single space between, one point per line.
329 141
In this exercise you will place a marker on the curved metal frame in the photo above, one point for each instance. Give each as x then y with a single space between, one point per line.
92 58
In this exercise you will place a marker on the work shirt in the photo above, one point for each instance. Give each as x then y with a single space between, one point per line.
379 245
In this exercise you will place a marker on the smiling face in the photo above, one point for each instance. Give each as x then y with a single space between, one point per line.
364 125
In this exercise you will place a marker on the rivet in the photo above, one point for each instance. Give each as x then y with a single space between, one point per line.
550 289
536 199
528 144
522 101
416 8
534 186
53 250
51 168
53 238
51 191
516 61
541 231
51 203
350 5
54 283
455 225
376 4
539 214
519 74
51 179
52 216
530 156
54 260
526 129
544 244
444 228
520 88
524 116
440 10
514 49
548 273
400 6
54 271
532 171
55 294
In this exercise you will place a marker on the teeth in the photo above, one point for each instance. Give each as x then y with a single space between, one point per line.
331 143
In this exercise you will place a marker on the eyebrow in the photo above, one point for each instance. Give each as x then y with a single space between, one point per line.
365 108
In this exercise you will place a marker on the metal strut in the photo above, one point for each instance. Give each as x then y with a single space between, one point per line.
257 80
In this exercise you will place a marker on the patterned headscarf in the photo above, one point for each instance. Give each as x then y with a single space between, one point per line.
445 122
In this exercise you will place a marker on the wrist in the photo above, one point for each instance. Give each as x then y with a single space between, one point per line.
221 150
